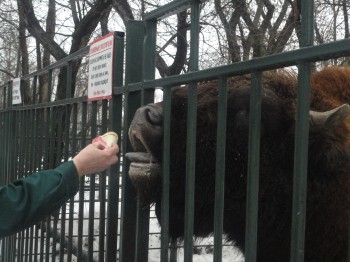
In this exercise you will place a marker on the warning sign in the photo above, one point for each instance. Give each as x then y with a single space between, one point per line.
101 68
16 91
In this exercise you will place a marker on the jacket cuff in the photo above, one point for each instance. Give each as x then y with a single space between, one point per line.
70 176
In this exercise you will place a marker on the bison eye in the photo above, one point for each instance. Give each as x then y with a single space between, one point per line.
154 116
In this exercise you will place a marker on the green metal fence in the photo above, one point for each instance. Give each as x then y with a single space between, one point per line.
33 140
41 136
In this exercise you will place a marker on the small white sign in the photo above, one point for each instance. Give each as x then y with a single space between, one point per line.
16 91
101 68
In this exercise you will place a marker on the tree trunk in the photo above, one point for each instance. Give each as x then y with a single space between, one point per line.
50 30
346 18
25 85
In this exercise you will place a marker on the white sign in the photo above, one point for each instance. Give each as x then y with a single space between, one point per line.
101 68
16 91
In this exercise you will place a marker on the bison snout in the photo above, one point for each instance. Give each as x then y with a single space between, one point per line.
146 129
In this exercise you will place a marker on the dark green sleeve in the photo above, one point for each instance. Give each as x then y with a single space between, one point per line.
27 201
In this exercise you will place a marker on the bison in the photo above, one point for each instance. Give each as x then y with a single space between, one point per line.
328 181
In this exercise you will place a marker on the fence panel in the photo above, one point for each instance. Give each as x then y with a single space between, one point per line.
40 136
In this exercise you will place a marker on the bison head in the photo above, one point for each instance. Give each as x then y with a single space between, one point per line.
328 142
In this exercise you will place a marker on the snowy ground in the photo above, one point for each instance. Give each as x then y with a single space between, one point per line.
203 248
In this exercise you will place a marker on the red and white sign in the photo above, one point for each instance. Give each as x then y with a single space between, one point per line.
16 91
101 68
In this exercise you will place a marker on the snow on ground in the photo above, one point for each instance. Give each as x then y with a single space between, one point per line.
203 248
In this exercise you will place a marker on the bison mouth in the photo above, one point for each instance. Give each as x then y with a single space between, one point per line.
141 164
145 135
145 176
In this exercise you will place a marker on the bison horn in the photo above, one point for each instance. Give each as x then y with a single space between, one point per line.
332 117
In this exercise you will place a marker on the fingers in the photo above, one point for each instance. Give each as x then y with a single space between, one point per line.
95 158
112 152
114 149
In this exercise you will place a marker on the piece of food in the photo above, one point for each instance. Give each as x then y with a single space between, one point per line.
107 139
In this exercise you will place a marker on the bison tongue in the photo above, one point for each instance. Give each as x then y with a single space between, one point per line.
139 157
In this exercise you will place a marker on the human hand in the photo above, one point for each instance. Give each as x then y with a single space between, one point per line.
95 158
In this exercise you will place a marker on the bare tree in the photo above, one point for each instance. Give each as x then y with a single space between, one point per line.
9 48
86 17
257 29
243 29
24 56
45 59
345 7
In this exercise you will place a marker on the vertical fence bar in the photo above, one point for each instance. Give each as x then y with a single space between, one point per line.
8 157
190 171
2 152
38 160
44 165
102 193
302 137
21 175
165 174
51 162
64 207
80 254
58 129
35 83
147 96
8 130
300 164
92 187
220 169
65 244
31 171
73 136
21 246
194 45
49 87
150 45
116 104
133 73
69 80
253 169
191 136
34 142
128 215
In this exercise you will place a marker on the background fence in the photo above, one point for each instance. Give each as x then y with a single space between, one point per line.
94 226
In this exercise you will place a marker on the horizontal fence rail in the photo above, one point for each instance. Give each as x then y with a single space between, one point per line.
291 58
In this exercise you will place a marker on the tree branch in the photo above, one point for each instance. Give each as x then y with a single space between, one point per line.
34 27
7 72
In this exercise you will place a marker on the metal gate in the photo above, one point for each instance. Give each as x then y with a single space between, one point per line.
33 140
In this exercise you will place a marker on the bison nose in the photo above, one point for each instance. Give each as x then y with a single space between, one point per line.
146 125
150 115
146 128
153 115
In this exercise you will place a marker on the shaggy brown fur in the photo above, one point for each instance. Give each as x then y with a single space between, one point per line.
328 199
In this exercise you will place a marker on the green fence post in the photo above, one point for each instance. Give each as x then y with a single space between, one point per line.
114 172
220 169
253 169
133 73
166 174
302 138
147 96
191 136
